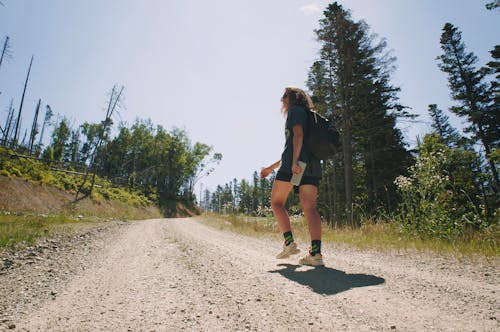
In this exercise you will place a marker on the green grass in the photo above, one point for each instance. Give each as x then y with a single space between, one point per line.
23 230
370 236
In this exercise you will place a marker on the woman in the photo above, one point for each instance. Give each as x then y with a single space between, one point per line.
296 105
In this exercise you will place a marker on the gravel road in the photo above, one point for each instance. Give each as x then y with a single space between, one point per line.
179 274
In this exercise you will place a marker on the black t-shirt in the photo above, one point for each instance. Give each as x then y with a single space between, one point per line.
297 115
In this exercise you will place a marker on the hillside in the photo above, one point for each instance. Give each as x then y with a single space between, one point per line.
31 185
21 196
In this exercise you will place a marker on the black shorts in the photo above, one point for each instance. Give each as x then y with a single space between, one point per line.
312 180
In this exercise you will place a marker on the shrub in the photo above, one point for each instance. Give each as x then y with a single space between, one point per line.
436 196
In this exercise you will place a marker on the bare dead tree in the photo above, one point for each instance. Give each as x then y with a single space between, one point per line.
6 53
24 137
21 105
46 122
34 127
114 101
8 123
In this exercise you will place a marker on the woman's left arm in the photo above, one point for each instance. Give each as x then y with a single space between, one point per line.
298 139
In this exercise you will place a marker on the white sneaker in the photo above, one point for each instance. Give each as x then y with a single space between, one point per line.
288 250
316 260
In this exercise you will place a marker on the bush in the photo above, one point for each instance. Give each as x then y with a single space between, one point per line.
437 195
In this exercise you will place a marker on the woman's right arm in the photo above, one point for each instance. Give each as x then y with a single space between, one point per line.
269 169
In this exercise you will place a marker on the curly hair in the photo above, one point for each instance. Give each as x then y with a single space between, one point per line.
298 97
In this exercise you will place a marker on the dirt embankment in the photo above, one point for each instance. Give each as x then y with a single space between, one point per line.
19 195
179 274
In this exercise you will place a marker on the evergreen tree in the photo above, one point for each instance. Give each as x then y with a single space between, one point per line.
441 126
117 164
321 85
495 64
60 137
72 153
351 85
493 5
339 36
470 90
493 113
90 132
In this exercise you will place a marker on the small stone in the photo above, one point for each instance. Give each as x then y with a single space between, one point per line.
393 327
12 326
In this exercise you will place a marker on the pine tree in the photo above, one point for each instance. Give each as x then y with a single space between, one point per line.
321 85
441 126
340 42
493 5
73 148
351 84
60 137
493 113
469 88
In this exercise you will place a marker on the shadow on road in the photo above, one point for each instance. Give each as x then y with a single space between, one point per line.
325 280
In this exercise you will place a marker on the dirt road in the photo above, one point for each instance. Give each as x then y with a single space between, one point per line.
178 274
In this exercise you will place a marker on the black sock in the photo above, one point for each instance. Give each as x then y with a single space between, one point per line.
288 237
315 247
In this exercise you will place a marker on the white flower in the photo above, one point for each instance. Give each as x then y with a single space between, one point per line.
402 182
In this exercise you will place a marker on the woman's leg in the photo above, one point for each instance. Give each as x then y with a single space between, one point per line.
308 195
279 194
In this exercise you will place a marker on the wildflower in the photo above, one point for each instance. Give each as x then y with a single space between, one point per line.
402 182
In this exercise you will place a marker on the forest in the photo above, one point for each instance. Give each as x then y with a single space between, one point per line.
163 165
445 186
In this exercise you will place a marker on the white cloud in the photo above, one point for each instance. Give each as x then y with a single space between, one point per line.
310 9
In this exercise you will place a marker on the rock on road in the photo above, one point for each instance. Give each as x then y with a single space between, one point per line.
179 274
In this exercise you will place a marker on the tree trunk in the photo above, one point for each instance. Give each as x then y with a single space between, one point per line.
491 163
4 50
33 127
8 124
347 148
22 101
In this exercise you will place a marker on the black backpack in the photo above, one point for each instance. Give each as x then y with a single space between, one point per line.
323 138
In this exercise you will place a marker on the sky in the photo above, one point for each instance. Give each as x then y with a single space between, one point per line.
218 68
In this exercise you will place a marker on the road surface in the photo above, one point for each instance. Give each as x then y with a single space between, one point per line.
180 274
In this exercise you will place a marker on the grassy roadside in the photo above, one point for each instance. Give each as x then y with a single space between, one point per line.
21 230
37 201
377 236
